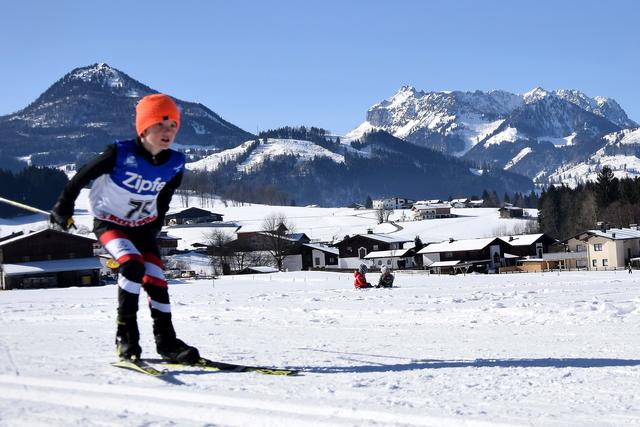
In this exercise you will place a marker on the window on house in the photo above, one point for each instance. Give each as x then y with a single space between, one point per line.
605 262
362 252
317 260
597 247
594 262
379 262
388 262
375 247
579 248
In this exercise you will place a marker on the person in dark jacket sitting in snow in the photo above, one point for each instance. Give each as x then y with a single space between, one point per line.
360 277
386 278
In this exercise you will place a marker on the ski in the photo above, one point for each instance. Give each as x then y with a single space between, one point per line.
138 366
213 366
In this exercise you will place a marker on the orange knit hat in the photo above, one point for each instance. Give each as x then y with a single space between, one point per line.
153 109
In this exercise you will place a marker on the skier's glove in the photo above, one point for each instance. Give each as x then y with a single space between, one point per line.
60 219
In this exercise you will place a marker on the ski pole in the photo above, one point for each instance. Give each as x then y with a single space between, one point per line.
31 209
23 206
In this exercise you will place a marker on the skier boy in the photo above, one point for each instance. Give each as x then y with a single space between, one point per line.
360 277
386 278
134 183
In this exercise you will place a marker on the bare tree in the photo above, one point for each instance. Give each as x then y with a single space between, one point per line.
184 197
383 213
219 251
242 259
276 229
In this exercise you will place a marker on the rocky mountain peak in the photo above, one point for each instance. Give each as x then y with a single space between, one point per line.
535 95
99 73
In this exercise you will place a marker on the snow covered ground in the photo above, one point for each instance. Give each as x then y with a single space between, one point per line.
528 349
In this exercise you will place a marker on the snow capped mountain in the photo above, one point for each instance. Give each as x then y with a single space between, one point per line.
451 122
621 152
92 106
605 107
337 174
256 154
532 133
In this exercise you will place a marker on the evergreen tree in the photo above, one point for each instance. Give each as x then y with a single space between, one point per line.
606 187
368 203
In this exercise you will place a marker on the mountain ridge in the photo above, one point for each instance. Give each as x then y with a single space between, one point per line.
533 133
92 106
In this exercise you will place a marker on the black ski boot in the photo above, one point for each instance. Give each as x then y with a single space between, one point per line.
176 351
128 338
168 345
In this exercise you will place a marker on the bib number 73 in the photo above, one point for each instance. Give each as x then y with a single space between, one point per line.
140 208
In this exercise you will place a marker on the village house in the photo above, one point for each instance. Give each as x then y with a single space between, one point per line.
483 255
459 203
191 216
529 250
393 203
354 249
509 211
299 253
395 259
167 244
260 240
427 202
599 249
532 245
48 258
422 211
318 256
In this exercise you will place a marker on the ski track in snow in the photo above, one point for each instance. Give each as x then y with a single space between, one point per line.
196 406
544 349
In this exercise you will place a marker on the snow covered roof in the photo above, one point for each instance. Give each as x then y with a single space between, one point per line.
388 254
216 224
616 233
34 233
448 263
457 245
322 248
52 266
262 269
384 238
521 240
421 206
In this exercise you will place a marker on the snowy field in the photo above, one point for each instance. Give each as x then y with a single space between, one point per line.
325 224
529 349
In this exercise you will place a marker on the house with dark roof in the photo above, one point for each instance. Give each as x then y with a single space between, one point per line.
318 256
509 211
529 244
395 259
482 255
48 258
191 216
353 249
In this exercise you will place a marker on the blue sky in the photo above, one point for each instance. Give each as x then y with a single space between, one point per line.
265 64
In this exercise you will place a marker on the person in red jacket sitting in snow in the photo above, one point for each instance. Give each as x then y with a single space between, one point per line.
360 278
